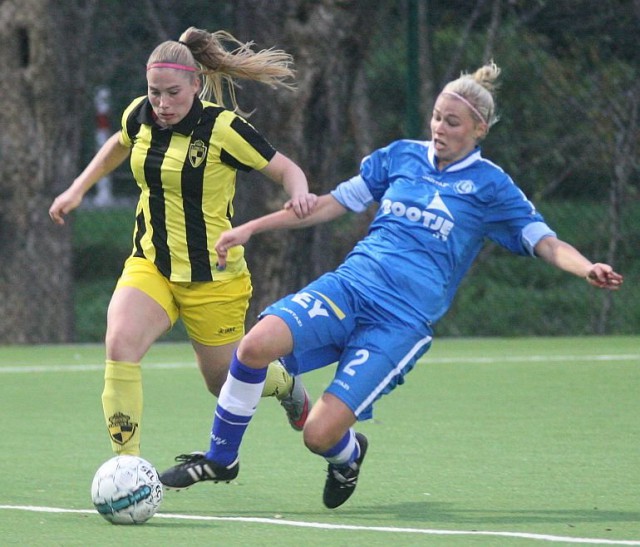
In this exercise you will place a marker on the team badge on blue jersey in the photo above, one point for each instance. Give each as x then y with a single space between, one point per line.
464 187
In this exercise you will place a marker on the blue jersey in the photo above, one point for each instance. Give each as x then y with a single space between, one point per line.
374 314
430 226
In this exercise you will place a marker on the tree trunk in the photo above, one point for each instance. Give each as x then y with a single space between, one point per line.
310 125
625 113
39 146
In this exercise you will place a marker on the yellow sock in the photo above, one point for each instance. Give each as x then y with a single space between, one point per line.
122 405
278 383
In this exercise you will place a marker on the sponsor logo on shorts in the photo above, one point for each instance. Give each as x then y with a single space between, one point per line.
312 304
294 315
342 384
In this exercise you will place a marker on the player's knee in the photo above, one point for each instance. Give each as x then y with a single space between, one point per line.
120 343
315 443
254 350
319 439
267 341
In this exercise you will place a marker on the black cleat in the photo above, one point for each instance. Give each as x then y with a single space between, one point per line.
342 480
195 467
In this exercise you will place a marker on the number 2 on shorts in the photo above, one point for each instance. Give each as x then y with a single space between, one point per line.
361 357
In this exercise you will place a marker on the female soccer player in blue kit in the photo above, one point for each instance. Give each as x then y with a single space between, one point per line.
374 314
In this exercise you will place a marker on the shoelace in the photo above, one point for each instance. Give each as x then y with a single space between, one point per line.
189 458
347 476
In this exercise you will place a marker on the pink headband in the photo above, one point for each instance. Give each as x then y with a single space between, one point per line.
473 108
176 66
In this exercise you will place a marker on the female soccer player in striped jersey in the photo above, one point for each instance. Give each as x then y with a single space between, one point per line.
438 202
185 152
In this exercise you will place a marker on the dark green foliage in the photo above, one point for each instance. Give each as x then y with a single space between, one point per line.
566 66
504 295
91 301
509 296
102 242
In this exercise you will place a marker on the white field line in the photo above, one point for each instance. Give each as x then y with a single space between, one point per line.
480 360
87 367
327 526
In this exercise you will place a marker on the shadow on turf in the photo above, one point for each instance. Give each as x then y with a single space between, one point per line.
443 513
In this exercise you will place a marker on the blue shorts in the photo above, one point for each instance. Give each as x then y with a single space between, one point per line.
332 323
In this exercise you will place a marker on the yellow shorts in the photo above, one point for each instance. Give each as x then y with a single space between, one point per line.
213 312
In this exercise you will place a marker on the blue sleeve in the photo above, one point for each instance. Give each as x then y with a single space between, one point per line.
357 193
374 170
513 221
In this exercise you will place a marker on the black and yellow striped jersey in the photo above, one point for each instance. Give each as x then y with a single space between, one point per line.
187 176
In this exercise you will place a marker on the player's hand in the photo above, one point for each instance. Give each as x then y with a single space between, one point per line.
302 205
603 277
63 205
231 238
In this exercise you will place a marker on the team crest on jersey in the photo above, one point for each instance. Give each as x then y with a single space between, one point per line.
464 187
197 153
121 428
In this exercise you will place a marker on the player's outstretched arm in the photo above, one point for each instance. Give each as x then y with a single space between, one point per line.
327 208
111 155
566 257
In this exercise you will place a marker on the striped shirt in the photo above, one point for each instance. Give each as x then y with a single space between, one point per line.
187 175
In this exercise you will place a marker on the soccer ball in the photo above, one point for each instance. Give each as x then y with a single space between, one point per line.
126 490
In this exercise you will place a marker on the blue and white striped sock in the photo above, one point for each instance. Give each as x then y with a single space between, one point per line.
236 406
345 451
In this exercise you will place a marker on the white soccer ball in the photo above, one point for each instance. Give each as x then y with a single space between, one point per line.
126 490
